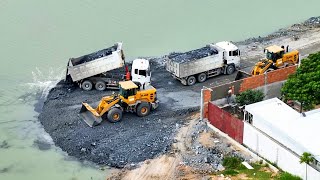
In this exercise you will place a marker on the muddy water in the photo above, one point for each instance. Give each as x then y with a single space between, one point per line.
37 38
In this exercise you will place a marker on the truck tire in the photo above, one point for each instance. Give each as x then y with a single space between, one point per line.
114 115
191 80
143 109
100 86
86 85
230 69
202 77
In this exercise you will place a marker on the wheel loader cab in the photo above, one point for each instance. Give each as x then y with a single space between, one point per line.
274 53
128 90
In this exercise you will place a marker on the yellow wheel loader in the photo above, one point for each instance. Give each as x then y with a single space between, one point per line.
129 99
276 57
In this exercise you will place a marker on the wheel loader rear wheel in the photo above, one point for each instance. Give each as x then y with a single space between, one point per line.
143 109
114 115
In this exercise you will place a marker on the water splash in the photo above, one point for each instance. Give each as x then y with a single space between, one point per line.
44 81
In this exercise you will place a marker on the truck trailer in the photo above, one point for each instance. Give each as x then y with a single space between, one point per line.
203 63
104 69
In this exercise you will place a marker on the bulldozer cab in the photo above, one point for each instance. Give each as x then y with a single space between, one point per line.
274 53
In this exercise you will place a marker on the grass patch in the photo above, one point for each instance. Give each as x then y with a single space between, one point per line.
233 167
230 172
231 162
288 176
256 172
261 171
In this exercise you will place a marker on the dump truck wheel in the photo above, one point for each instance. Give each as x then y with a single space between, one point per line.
100 86
191 80
202 77
86 85
230 69
143 109
114 115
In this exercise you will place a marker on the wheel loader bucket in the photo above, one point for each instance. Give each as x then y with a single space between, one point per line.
242 75
90 115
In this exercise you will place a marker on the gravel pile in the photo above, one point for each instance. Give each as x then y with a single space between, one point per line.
192 55
130 141
313 21
208 159
293 31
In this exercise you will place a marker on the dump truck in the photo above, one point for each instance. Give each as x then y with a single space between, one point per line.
131 98
203 63
276 57
105 69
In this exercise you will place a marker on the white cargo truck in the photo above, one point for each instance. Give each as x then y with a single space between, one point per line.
104 69
203 63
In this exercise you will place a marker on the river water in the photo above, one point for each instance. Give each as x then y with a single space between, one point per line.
38 37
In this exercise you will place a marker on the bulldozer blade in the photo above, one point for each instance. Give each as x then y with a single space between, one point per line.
89 115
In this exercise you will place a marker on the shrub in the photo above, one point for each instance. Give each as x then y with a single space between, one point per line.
249 97
231 162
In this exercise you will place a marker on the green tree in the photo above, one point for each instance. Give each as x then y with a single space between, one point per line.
249 97
306 158
304 85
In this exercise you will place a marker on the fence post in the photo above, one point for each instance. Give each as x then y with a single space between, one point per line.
204 101
201 105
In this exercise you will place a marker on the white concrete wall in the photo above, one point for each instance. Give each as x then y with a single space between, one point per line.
275 133
276 153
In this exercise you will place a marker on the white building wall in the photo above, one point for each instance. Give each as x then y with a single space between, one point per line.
276 153
312 173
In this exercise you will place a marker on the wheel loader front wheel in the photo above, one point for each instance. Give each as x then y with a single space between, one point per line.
114 115
143 109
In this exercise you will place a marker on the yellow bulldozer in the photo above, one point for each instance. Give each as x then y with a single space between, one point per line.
129 99
276 57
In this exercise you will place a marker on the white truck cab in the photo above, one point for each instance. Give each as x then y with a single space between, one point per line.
231 53
140 71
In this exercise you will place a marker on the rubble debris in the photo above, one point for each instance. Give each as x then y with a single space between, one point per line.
193 55
208 158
